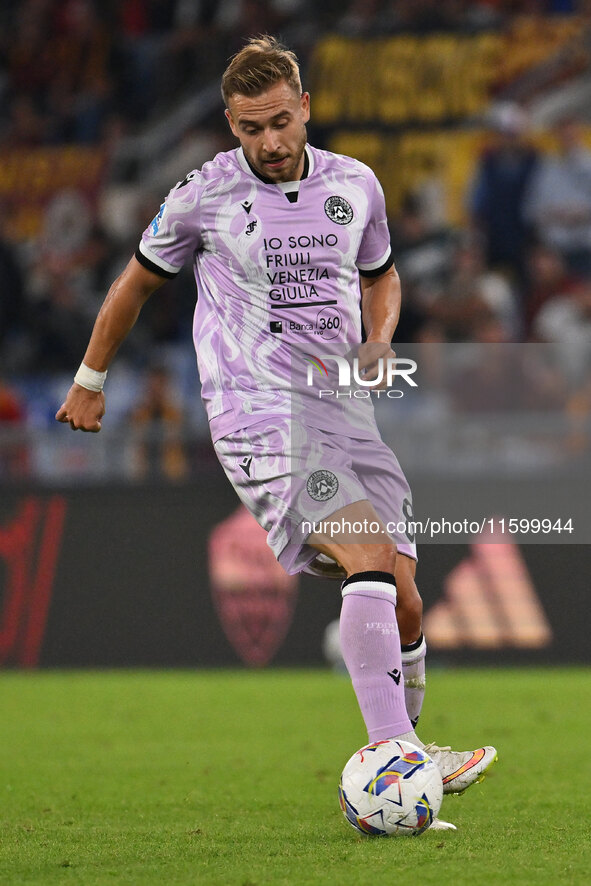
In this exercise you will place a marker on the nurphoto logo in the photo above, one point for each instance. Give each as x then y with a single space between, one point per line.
350 375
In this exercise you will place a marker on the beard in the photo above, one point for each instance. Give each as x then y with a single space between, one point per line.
289 170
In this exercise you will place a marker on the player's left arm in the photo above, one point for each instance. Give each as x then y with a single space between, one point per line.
380 310
380 284
380 305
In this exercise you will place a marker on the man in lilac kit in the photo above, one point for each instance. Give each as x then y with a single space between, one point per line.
281 235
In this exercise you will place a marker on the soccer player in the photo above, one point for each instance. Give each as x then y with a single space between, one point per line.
281 236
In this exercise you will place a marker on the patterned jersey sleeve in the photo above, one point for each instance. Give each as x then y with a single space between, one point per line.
174 234
375 254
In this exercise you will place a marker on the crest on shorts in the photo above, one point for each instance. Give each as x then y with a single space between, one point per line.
322 485
339 210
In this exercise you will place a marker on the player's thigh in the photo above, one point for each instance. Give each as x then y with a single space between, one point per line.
387 488
357 538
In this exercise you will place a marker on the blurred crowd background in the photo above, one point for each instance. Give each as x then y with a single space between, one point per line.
475 116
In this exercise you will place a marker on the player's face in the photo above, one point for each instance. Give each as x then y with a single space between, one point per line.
272 130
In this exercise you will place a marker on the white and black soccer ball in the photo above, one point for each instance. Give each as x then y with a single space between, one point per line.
390 788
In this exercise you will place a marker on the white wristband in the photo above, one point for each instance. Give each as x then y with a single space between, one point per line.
89 378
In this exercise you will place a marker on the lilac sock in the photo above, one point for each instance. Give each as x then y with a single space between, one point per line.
370 645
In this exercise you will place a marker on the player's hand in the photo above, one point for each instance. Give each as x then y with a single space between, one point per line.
368 355
82 409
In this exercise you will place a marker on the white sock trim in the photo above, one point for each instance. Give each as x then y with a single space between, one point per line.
359 587
413 655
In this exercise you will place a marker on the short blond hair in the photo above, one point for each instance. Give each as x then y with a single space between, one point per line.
260 64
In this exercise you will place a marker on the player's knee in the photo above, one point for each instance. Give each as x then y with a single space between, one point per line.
376 558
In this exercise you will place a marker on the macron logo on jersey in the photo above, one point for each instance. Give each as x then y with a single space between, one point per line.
245 464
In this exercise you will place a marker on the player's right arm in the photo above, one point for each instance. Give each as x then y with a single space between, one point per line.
84 409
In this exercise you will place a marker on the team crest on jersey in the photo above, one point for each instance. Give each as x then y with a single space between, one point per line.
322 485
339 211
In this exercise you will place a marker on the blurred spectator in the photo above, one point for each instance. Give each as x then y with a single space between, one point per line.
548 279
30 61
58 320
12 304
428 16
498 190
13 452
66 282
424 256
475 295
507 378
566 318
78 97
363 18
25 126
157 423
194 52
58 66
578 410
559 199
489 330
254 17
142 29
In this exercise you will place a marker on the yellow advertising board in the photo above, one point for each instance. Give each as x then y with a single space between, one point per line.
29 178
427 79
412 159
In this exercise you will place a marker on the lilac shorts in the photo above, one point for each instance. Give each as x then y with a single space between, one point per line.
290 476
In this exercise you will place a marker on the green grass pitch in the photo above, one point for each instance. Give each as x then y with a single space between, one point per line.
230 777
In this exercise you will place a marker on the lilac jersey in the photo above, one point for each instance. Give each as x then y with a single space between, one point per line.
277 270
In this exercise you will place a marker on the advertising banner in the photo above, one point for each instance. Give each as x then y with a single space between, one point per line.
164 577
